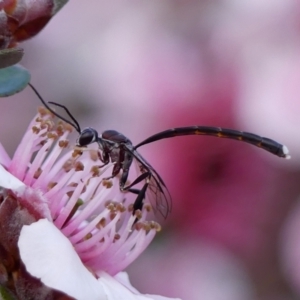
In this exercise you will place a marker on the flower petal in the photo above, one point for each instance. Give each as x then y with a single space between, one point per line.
4 157
49 256
122 289
9 181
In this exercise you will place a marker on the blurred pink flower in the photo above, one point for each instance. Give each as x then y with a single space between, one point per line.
289 250
225 192
194 266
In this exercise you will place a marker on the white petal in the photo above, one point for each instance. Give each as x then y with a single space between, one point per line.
156 297
122 289
49 255
8 181
4 157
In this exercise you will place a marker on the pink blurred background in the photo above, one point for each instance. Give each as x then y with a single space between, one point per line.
144 66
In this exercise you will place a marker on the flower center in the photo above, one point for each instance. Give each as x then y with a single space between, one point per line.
88 208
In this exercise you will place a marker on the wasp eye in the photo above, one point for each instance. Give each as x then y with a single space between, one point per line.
87 136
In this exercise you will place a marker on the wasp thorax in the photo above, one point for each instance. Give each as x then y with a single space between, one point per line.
87 136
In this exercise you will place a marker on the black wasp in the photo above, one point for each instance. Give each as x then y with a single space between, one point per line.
118 149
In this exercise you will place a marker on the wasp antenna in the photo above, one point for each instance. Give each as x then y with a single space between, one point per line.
77 127
74 125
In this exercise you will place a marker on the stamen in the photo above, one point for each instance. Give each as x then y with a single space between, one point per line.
85 200
68 165
101 223
37 173
36 129
44 112
76 153
107 183
51 185
60 130
79 166
74 210
63 143
93 155
52 135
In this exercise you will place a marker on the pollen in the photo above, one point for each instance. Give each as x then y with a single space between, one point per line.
68 165
51 185
109 205
154 225
60 130
95 171
112 215
63 143
88 236
147 226
52 135
47 124
77 152
139 226
79 166
101 223
138 214
120 207
107 183
116 237
93 155
130 207
70 193
43 142
36 129
37 173
68 127
45 112
148 207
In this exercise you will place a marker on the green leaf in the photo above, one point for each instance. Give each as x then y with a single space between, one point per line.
13 80
10 57
58 4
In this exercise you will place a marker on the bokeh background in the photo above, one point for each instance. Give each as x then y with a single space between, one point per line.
143 66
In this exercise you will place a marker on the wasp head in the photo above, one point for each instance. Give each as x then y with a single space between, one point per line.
87 136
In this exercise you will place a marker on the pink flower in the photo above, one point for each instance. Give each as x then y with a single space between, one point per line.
70 227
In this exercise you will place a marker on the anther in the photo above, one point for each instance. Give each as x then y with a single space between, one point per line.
63 143
51 185
101 223
79 166
93 155
37 173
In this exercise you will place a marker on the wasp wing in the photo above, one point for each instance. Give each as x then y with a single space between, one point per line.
157 192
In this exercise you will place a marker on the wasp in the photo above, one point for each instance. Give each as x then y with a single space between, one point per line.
116 148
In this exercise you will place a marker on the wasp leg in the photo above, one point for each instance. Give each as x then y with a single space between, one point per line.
125 161
104 157
115 171
139 201
101 166
136 181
